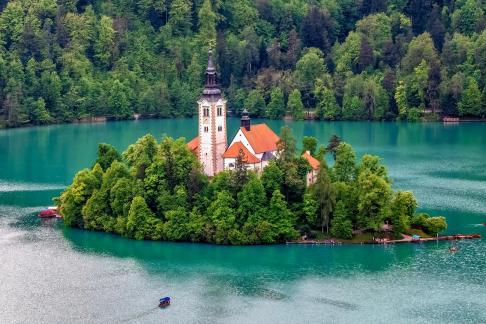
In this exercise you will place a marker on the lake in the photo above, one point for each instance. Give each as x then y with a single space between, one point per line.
52 274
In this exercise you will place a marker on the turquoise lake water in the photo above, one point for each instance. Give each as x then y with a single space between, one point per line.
52 274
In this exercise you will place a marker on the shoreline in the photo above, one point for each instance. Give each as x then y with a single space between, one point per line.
406 239
135 117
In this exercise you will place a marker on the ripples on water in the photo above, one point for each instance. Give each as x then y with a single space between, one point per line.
51 274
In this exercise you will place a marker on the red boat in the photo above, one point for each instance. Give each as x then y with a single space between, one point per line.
51 212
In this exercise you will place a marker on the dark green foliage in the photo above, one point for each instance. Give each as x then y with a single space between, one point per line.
158 192
309 143
341 225
106 155
68 60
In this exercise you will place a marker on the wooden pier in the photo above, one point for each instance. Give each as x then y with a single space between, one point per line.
405 239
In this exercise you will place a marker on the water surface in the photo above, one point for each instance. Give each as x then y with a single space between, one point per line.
51 274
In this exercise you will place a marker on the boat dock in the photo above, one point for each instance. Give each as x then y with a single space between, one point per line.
405 239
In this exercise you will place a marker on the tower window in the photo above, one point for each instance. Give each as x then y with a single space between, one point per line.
220 111
220 128
206 112
206 129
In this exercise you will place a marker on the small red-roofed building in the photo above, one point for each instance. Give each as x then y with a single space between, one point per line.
259 144
314 163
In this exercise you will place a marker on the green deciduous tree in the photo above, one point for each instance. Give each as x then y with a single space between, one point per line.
325 197
276 106
470 103
341 225
295 106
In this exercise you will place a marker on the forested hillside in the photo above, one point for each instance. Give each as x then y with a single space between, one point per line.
341 59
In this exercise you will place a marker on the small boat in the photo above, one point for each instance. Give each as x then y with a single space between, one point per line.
164 302
50 212
415 239
453 249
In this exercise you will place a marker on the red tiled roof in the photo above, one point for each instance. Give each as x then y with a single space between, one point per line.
261 138
194 145
234 150
314 163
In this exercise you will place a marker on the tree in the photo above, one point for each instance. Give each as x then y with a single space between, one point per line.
436 28
239 176
104 43
483 102
251 200
276 106
333 145
121 195
272 178
327 107
325 196
255 103
309 143
366 57
309 68
402 210
95 213
310 207
39 114
295 106
314 29
341 226
106 155
286 146
421 49
281 218
118 100
345 163
207 24
138 222
435 225
470 103
180 17
141 155
374 193
466 18
75 197
223 217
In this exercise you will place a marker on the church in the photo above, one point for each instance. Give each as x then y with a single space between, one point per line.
258 143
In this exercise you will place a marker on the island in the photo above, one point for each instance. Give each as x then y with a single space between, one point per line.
254 189
158 191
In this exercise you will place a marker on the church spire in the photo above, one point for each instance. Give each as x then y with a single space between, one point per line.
211 87
245 120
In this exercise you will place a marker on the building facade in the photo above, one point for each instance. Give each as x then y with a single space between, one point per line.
212 123
256 143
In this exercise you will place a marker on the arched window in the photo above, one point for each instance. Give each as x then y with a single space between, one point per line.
206 112
206 129
220 111
220 128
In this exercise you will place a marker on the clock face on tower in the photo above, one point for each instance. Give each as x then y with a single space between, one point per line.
206 120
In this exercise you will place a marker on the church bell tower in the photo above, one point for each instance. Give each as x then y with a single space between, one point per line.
212 123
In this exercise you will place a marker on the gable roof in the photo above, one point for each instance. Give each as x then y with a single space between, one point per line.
234 150
194 145
314 163
261 138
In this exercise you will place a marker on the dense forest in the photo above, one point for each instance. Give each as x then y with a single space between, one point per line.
158 191
63 60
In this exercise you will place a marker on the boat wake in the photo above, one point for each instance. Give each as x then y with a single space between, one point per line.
337 303
24 186
139 316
